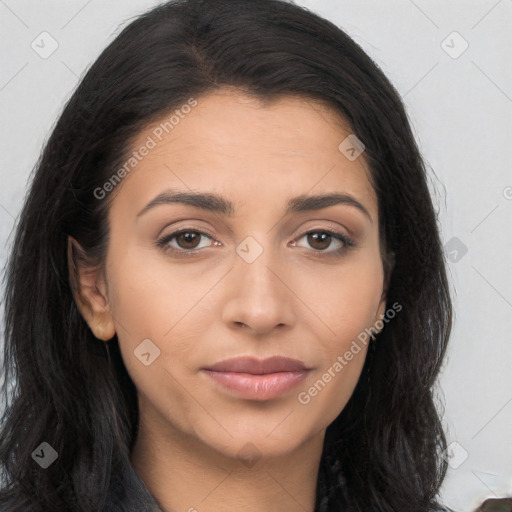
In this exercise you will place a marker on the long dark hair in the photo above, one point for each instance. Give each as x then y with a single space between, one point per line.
384 452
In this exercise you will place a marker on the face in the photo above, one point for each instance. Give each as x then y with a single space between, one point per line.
249 275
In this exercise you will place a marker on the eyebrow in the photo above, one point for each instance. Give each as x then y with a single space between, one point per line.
218 204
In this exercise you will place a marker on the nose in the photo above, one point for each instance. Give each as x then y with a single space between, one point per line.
260 296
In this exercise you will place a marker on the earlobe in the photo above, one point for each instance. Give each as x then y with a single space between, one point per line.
388 269
380 311
89 291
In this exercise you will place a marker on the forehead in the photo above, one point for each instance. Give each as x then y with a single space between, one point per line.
230 140
287 124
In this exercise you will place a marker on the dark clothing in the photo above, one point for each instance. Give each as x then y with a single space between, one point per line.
130 494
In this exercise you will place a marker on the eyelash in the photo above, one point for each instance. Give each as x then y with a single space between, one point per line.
348 243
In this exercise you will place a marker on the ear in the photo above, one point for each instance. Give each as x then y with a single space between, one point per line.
381 309
389 264
89 291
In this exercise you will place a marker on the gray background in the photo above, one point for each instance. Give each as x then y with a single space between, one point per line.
459 103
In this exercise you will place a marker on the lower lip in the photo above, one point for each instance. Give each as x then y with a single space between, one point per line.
258 387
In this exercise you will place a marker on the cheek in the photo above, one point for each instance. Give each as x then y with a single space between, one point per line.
152 301
345 299
328 391
148 297
345 305
148 302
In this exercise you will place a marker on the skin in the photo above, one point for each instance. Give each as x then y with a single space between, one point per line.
293 300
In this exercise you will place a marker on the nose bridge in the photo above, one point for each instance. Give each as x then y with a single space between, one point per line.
258 296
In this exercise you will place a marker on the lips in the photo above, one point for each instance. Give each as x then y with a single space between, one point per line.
255 379
259 367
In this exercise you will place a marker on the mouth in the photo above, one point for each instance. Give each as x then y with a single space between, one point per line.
255 379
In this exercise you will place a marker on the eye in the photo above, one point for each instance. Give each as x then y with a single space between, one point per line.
320 240
186 240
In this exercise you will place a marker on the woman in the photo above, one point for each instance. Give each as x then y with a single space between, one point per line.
227 287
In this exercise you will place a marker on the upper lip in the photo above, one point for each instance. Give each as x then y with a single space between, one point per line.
255 366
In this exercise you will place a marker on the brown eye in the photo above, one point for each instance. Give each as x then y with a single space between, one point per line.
319 240
188 239
185 241
327 243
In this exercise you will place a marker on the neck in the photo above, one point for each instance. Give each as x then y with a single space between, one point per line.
185 475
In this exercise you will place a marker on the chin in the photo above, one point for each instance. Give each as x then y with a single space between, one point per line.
252 445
